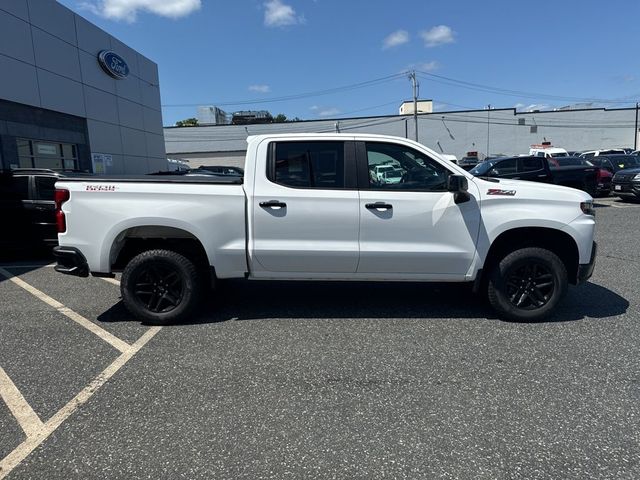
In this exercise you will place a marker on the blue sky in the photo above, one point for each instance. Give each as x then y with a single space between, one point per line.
212 52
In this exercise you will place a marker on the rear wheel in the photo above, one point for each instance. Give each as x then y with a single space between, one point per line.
161 287
527 284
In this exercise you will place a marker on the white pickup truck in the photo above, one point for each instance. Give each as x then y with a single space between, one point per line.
311 207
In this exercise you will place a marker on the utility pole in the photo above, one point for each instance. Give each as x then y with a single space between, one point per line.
488 125
414 82
635 132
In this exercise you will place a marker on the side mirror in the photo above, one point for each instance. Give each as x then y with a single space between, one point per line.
458 185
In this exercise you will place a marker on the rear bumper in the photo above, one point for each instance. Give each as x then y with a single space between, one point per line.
586 270
71 261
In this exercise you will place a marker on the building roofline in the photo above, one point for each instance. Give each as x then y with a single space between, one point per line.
515 112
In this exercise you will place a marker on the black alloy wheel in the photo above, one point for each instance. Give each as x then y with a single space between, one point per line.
527 284
159 287
530 286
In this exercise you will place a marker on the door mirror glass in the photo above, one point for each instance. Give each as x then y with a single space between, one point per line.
458 185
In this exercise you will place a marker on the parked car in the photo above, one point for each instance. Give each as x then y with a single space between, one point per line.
547 151
541 169
220 170
610 151
626 184
27 204
615 163
309 210
467 163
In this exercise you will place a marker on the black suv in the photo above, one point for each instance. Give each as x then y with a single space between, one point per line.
27 204
626 184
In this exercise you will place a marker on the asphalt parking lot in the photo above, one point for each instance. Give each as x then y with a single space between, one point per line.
280 380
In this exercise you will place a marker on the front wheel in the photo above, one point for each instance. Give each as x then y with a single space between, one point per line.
160 287
527 284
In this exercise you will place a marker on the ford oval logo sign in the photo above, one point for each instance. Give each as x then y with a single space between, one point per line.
113 64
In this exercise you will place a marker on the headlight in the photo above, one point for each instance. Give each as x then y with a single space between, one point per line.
637 177
587 208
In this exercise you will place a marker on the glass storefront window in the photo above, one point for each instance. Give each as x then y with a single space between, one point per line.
39 154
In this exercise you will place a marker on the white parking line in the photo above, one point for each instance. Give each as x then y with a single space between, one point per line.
26 417
111 339
615 205
111 280
39 435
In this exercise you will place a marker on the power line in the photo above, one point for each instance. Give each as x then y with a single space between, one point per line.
516 93
298 96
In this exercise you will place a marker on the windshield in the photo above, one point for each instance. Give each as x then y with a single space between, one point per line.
625 162
482 168
559 154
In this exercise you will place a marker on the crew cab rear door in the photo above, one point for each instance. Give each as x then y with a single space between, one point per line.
411 227
304 208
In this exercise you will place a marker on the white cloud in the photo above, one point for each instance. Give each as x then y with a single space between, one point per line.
260 88
278 14
438 36
398 37
328 112
431 66
536 106
127 10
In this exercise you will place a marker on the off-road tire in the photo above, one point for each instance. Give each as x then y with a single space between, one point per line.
161 287
527 284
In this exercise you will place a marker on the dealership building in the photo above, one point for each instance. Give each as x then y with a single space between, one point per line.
74 97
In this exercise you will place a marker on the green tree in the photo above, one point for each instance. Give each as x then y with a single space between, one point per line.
280 118
189 122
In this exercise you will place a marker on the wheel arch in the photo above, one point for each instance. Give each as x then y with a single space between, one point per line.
554 240
135 240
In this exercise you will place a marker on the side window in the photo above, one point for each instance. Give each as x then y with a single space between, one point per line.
45 188
396 167
309 164
506 167
531 164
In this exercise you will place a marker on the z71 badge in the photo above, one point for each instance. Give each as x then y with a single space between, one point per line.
498 191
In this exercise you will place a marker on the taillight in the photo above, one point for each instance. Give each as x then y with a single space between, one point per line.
60 197
602 174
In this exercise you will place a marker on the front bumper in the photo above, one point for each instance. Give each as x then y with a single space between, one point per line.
626 188
586 270
70 261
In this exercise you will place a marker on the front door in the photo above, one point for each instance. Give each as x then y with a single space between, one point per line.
305 210
410 223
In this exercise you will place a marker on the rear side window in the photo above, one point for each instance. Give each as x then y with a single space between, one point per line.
531 164
45 188
308 165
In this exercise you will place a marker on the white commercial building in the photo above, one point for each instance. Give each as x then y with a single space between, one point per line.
74 97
